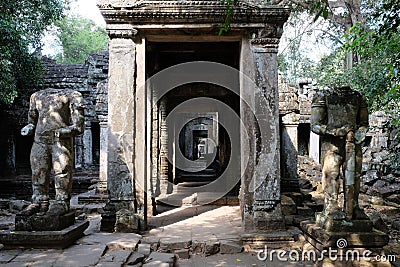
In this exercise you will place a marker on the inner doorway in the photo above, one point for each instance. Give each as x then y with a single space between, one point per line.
202 140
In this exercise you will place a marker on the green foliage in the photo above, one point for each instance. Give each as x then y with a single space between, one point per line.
330 71
377 72
230 6
79 38
320 8
22 24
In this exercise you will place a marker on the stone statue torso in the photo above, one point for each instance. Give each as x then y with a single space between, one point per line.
52 108
342 108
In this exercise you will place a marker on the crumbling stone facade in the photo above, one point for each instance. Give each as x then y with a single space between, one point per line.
380 179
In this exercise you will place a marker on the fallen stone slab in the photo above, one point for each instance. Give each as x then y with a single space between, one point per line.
211 248
144 249
117 241
182 253
197 247
190 200
229 247
173 243
83 255
37 257
135 258
116 256
160 259
8 255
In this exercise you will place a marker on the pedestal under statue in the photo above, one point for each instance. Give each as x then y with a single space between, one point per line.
340 117
55 117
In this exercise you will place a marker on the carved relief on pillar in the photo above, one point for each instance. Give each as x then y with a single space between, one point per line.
266 40
115 3
121 31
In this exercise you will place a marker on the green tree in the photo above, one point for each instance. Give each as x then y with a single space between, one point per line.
377 73
79 38
22 24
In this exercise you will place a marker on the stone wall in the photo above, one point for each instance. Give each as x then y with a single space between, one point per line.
380 178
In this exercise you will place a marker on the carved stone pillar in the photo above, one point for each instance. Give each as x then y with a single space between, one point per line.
102 111
163 167
290 181
78 153
262 209
121 124
314 147
155 149
102 186
11 155
87 145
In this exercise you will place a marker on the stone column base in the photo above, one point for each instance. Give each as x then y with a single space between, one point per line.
323 239
44 239
276 239
340 225
118 216
44 222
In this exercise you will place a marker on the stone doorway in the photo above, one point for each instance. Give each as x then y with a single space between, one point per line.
151 38
195 133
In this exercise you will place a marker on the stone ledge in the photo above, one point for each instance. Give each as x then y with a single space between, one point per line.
43 239
273 239
45 222
322 239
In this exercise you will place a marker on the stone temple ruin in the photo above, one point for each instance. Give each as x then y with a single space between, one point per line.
176 114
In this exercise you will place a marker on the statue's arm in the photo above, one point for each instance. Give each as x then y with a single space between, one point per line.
318 114
33 116
77 126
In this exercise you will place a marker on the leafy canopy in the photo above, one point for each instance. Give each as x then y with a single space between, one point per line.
79 38
22 24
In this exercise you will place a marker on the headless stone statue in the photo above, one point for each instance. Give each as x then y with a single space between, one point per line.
340 117
55 116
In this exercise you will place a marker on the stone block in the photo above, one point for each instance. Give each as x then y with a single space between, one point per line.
190 200
160 259
18 205
396 225
84 255
44 239
116 256
340 225
378 223
197 247
45 257
144 249
126 221
229 247
305 211
8 255
122 244
288 205
135 258
182 253
211 248
44 222
173 243
259 240
323 239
